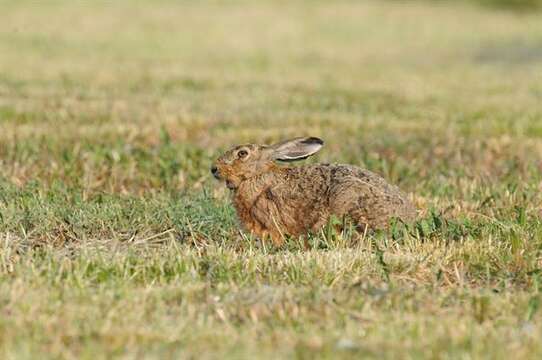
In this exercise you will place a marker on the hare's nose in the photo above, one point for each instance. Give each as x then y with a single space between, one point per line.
214 171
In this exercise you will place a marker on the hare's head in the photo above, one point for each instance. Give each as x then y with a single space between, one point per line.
246 161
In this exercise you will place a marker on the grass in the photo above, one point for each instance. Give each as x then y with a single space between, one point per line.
116 242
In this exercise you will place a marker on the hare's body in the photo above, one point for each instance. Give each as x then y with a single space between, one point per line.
275 201
296 200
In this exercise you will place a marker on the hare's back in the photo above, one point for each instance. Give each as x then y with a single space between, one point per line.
323 177
345 172
352 188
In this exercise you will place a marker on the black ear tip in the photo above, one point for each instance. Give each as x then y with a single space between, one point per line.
313 140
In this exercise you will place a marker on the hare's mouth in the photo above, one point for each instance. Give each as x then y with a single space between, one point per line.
230 185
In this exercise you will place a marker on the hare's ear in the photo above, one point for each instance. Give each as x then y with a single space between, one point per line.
296 149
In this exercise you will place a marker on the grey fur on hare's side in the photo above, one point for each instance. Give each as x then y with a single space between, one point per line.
278 201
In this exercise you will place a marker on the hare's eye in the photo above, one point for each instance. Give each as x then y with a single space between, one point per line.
242 154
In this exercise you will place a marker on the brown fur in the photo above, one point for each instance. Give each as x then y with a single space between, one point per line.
278 201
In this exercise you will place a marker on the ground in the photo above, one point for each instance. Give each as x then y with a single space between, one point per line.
115 241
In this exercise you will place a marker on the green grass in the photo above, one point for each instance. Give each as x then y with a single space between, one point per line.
116 242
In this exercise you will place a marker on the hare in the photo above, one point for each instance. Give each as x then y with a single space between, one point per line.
275 201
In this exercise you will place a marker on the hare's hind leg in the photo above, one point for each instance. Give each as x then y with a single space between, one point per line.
360 205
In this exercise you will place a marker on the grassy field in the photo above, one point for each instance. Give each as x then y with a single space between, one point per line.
116 242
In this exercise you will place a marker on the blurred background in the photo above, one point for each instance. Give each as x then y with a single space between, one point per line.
116 241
